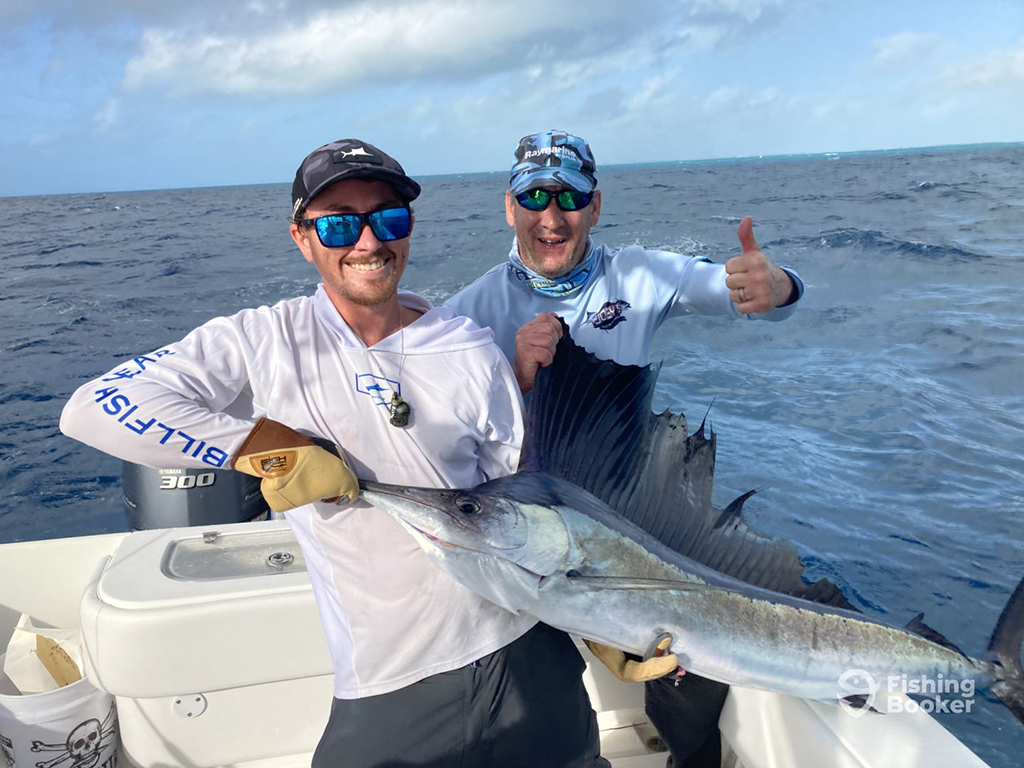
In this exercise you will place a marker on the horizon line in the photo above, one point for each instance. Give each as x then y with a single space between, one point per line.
692 161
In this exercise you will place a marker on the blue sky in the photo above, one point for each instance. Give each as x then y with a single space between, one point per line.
99 95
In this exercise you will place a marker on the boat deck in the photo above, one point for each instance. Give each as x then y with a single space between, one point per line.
48 579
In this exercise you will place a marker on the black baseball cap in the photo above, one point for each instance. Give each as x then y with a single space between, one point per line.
347 159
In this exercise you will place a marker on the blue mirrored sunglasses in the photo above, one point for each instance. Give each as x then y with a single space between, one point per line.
338 230
566 199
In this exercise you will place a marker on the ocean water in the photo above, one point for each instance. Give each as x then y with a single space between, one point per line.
883 424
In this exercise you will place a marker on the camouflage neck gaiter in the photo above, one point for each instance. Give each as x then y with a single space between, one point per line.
560 287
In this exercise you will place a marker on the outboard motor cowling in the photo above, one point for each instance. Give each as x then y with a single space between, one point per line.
171 498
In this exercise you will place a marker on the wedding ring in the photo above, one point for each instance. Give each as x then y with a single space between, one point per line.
743 296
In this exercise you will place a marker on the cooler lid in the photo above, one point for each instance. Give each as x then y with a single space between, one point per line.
176 566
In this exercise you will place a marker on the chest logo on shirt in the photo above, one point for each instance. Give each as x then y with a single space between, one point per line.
609 315
377 387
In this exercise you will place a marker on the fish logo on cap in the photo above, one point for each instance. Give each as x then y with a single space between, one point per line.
357 152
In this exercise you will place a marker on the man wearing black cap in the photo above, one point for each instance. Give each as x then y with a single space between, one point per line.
363 380
613 302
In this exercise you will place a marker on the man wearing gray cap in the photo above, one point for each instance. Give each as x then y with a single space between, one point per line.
352 382
613 302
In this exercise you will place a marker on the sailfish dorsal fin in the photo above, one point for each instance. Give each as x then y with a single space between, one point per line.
590 422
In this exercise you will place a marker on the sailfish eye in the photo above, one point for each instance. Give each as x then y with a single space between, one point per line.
466 505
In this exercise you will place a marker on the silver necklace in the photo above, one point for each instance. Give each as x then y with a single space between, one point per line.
398 409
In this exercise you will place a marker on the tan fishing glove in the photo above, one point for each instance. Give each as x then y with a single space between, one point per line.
294 469
629 671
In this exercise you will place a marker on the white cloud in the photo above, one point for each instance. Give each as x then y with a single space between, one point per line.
652 94
710 24
732 97
343 48
387 41
750 10
701 37
722 98
942 107
42 138
935 76
262 8
1003 68
55 67
906 47
839 109
250 127
764 98
107 116
75 14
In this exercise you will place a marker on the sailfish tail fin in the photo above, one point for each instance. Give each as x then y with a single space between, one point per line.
1005 647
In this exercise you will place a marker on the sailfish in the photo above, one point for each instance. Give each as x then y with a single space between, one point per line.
608 531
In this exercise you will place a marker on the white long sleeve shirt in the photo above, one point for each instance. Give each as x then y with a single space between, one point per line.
391 617
629 295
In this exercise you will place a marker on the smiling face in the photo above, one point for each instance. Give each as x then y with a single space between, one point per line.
551 242
366 273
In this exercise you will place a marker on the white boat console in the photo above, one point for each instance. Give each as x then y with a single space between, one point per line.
211 642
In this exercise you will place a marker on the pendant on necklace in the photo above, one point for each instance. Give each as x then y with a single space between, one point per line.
400 411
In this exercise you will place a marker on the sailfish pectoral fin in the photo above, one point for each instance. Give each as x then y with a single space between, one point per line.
855 701
628 582
919 628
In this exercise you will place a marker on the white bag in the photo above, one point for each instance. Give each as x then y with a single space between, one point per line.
74 726
28 671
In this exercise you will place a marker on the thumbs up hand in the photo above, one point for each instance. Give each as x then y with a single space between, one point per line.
756 285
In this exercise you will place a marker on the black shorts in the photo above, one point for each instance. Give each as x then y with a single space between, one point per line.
686 716
523 706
